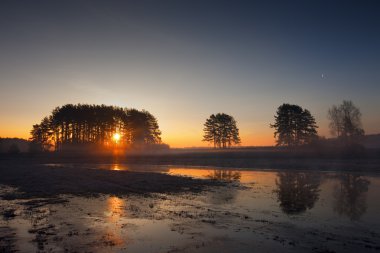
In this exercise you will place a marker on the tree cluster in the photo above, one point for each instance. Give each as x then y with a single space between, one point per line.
94 125
294 126
221 130
97 124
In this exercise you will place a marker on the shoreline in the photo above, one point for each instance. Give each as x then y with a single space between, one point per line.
33 180
236 159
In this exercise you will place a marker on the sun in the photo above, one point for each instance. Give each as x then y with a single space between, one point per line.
116 137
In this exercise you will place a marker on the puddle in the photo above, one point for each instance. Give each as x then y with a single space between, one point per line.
257 211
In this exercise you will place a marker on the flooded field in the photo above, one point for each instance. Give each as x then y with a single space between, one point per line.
262 211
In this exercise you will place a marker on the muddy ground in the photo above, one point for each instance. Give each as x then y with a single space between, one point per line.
87 210
36 180
165 223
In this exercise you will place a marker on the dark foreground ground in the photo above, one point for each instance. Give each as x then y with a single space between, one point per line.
36 180
75 208
30 191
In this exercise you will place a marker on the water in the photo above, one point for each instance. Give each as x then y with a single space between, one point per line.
272 211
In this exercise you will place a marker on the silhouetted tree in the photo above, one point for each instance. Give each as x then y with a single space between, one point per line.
345 122
84 124
141 128
41 135
350 196
297 191
294 126
221 130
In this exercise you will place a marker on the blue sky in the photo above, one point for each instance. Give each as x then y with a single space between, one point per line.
184 60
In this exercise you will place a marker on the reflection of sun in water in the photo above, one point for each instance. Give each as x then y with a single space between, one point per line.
113 233
115 207
116 137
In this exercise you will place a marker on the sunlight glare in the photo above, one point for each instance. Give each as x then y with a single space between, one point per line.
116 137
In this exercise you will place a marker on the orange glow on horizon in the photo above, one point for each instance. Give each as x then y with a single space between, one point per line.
176 136
14 133
174 140
188 141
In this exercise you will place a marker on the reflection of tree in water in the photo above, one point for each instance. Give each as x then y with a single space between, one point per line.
225 194
225 175
297 191
350 196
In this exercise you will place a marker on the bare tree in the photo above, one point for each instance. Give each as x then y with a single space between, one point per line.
345 121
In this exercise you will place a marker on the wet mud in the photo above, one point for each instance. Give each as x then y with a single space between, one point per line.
252 211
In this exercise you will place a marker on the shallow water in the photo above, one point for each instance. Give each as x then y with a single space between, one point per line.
267 211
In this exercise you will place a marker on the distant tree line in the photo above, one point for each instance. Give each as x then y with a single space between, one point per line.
95 124
13 145
294 126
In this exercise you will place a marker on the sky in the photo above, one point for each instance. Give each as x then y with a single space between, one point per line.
184 60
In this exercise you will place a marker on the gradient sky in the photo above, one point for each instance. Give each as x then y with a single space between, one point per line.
184 60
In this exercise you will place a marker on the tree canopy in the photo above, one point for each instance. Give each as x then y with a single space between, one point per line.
95 125
221 130
345 121
294 126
